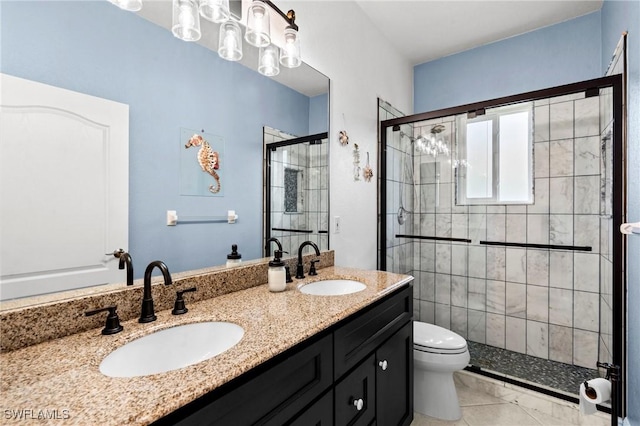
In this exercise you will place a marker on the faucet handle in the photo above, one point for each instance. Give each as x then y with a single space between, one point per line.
116 253
112 326
312 270
179 308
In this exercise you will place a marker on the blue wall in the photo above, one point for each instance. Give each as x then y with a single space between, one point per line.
95 48
319 114
572 51
552 56
619 16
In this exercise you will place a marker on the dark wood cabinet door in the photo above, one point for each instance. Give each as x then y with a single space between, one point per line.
332 378
394 379
365 331
355 400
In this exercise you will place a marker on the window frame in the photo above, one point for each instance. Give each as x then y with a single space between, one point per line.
493 115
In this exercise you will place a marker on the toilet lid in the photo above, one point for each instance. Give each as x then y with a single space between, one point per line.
432 338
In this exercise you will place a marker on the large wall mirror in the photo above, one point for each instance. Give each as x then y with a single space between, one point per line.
171 87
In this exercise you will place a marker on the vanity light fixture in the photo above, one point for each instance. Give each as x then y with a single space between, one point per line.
215 10
186 21
230 41
130 5
283 48
269 64
290 52
258 31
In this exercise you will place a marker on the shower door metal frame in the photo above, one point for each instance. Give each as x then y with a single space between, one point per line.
618 200
268 148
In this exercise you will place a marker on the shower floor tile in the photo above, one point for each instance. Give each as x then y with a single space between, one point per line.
552 374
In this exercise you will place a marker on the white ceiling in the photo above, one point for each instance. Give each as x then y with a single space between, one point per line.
424 30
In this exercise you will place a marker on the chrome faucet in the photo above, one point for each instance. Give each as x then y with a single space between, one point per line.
299 266
125 260
147 314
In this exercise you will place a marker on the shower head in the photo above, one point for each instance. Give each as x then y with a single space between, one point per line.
404 135
438 128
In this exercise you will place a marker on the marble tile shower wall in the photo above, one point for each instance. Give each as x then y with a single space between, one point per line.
541 302
312 161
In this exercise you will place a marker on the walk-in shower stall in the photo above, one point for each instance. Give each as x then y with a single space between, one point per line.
296 190
507 212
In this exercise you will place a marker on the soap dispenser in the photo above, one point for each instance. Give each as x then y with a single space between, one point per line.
234 258
277 274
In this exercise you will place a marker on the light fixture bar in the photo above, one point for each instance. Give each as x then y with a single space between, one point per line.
281 49
290 16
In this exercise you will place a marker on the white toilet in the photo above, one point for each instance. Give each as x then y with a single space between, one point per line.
437 353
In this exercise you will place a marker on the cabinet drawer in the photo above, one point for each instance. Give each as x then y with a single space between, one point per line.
319 414
367 330
270 397
357 388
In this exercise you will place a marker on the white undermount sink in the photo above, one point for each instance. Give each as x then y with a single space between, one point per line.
332 287
171 349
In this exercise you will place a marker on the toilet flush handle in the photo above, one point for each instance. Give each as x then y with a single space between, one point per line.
383 364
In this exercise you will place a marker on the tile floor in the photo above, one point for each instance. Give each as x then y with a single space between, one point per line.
552 374
481 406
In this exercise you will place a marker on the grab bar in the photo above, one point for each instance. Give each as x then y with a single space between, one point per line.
539 246
172 218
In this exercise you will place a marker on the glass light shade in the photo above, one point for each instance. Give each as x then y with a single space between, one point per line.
130 5
258 32
269 64
290 52
186 21
230 41
215 10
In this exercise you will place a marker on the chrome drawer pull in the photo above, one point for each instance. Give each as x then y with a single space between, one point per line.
358 403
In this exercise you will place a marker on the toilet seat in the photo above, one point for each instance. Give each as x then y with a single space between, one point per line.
434 339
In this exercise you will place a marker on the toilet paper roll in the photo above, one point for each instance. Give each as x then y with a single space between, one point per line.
599 391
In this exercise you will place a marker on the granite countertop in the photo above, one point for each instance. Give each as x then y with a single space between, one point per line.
60 379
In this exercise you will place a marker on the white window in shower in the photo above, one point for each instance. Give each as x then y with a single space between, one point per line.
495 156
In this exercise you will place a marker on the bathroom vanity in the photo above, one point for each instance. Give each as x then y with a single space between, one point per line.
303 359
356 372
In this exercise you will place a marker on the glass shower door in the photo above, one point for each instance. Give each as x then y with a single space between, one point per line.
296 191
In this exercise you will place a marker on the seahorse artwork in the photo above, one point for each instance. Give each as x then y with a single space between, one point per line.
207 158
